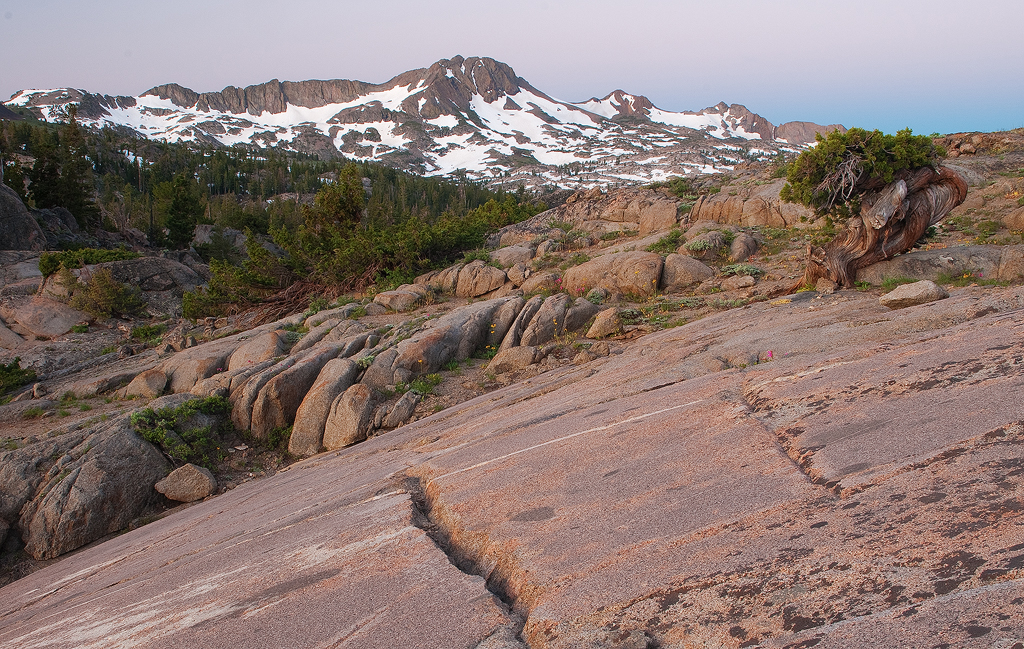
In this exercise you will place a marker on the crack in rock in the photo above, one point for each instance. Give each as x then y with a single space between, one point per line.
474 555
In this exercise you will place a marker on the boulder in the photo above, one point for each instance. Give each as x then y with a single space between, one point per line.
187 484
1011 263
517 274
743 247
580 313
548 246
549 321
18 230
629 273
225 383
913 294
279 400
522 321
162 281
477 278
512 255
339 313
707 245
660 215
350 417
931 264
256 349
606 324
194 364
403 298
642 209
244 396
453 336
148 385
204 235
314 335
751 206
80 487
540 282
737 282
9 339
445 280
310 419
514 358
503 319
1015 220
402 410
375 309
681 271
90 387
43 317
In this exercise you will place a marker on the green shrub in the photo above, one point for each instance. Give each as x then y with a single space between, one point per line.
316 305
988 228
279 437
698 245
103 297
575 259
80 329
13 376
165 428
35 412
51 262
425 384
476 255
357 313
148 332
830 177
742 269
668 243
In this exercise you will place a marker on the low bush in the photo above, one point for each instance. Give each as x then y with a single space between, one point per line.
668 243
103 297
51 262
742 269
13 376
165 428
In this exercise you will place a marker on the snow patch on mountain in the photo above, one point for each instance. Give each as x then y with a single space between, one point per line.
459 115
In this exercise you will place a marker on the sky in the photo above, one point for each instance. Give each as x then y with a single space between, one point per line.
934 66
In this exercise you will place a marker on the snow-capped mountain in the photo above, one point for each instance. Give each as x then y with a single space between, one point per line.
460 115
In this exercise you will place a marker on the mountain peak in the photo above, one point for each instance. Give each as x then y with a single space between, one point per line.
463 114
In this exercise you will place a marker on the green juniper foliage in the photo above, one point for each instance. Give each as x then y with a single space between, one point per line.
12 376
830 177
183 444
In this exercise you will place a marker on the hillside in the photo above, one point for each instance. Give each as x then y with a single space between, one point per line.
617 429
470 115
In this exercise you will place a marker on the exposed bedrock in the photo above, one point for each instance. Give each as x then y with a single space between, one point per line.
815 471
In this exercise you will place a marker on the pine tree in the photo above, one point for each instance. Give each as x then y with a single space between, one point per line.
183 213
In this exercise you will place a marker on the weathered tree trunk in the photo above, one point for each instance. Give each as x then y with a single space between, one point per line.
891 220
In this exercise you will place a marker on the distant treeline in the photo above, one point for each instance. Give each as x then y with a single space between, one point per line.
342 224
121 180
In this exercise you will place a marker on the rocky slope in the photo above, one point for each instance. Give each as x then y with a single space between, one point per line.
603 446
474 115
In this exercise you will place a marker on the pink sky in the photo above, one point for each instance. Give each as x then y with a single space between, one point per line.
934 66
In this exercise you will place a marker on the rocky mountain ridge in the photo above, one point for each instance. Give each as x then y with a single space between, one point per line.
472 115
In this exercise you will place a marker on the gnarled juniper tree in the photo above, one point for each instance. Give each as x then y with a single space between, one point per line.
887 189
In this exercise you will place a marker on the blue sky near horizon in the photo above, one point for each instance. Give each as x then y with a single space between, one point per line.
935 66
